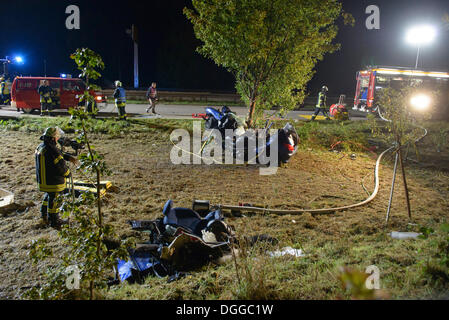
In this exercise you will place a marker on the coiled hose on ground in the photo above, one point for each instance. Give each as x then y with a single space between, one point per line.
325 210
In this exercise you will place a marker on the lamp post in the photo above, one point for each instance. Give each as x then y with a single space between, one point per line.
419 36
6 61
133 32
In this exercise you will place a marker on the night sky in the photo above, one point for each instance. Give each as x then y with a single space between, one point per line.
36 30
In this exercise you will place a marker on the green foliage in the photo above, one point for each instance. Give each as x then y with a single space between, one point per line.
443 246
403 121
85 236
88 62
251 272
440 139
271 46
354 281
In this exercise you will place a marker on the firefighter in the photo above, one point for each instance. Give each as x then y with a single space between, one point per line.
4 91
45 92
51 174
321 104
120 100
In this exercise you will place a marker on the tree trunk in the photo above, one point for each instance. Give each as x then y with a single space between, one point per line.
252 109
404 179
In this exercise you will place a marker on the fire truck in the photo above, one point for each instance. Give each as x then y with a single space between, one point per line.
372 80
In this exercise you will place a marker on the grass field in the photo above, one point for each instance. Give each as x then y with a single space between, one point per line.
316 177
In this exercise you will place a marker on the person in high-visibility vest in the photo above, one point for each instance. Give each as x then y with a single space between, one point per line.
321 104
120 100
5 96
51 174
45 92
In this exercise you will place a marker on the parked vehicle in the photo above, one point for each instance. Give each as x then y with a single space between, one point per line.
24 95
373 80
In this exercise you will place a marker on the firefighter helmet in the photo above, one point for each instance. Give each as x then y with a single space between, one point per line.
53 132
324 89
118 83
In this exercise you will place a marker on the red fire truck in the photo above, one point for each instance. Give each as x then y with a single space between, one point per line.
371 81
24 95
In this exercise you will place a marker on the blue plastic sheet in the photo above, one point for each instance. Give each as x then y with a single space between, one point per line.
124 269
139 263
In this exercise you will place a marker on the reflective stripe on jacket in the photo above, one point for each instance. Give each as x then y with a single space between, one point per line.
4 89
321 103
51 169
45 94
120 95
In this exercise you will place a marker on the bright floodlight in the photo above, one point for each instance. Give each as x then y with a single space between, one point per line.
420 102
18 59
421 35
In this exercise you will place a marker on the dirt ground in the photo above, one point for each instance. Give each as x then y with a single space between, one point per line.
315 178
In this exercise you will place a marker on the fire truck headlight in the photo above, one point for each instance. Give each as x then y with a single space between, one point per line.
420 102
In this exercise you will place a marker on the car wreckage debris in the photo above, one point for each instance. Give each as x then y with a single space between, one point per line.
180 241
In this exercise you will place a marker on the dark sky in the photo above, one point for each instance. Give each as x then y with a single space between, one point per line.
36 30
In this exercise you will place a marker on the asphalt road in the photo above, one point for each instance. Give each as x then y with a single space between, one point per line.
166 111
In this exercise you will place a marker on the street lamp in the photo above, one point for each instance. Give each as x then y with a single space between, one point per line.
7 61
420 35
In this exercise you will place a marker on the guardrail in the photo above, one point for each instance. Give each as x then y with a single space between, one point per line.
208 97
170 96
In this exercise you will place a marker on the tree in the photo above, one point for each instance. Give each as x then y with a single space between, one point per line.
401 126
86 236
270 46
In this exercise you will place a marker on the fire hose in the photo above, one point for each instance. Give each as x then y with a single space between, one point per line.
326 210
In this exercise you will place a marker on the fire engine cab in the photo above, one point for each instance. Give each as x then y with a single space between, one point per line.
371 81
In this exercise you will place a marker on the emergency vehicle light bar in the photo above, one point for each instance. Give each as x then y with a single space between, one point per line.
413 73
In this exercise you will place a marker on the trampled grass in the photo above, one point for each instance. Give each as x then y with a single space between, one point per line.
138 155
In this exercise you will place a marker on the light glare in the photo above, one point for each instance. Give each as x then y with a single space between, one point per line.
421 35
420 102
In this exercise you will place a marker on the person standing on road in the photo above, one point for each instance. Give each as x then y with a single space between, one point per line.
4 91
51 174
321 104
152 97
120 100
45 92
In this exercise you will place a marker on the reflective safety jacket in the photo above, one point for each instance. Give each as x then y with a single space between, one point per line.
120 97
45 93
321 103
4 88
51 169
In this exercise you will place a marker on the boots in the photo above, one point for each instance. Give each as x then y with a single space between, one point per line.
44 217
56 222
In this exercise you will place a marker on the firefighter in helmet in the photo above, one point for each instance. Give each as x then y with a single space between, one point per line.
120 100
321 104
5 96
45 93
51 174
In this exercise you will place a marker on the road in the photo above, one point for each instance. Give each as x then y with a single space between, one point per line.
166 111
